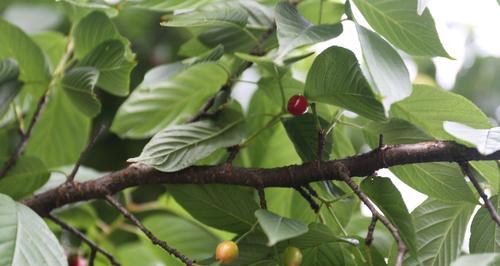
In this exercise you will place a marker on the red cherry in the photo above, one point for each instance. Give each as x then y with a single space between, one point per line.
298 105
77 261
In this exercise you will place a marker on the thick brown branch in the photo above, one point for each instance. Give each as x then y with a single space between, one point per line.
288 176
487 202
146 231
93 246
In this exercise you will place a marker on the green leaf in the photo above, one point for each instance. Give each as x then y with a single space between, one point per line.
442 181
487 141
167 96
25 238
428 107
317 235
78 84
320 11
53 44
303 132
92 30
19 46
399 23
485 234
166 6
229 208
27 175
294 31
180 146
76 9
486 259
328 254
137 253
440 229
279 228
189 238
233 17
336 78
388 198
109 58
9 85
61 134
385 66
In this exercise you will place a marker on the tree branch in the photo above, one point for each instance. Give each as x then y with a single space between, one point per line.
287 176
487 202
93 246
394 231
146 231
84 154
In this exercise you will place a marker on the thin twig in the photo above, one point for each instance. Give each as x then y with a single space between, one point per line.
85 152
262 198
394 231
308 198
371 229
146 231
311 190
93 253
487 202
93 246
233 152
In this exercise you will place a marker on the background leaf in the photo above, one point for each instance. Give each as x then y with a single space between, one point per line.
398 22
485 233
114 68
27 175
26 238
9 85
487 141
78 84
279 228
167 96
336 78
485 259
294 31
225 207
386 68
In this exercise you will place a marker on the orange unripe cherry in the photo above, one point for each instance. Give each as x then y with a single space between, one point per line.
292 256
227 252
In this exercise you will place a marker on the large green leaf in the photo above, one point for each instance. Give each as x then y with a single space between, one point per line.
485 233
167 96
27 175
78 84
317 235
225 207
278 228
26 239
388 198
294 31
180 146
189 238
399 22
9 85
61 133
92 30
440 229
428 107
166 6
137 253
328 254
53 44
385 66
336 78
17 45
487 141
232 17
114 68
303 132
485 259
442 181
